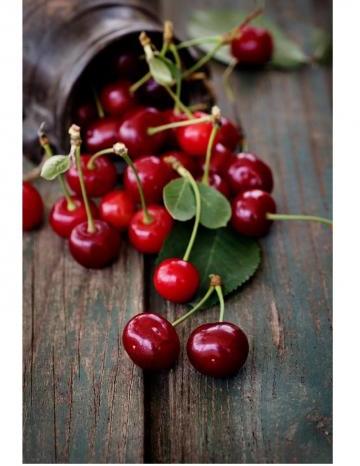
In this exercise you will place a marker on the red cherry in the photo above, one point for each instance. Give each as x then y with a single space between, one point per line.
63 220
117 208
221 158
248 172
154 174
194 139
229 135
33 207
149 238
94 250
219 349
176 280
253 46
249 211
101 134
217 182
116 98
151 341
98 180
85 113
188 162
153 94
133 132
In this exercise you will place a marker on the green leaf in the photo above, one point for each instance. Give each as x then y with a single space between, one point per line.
160 70
287 53
234 257
179 199
55 166
215 208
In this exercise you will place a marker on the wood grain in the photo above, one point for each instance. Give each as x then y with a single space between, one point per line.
84 401
81 393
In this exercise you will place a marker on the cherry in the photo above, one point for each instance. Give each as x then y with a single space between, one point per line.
172 117
85 113
128 66
98 180
117 208
101 134
63 220
154 174
97 249
176 280
33 207
221 157
116 98
249 211
248 172
194 139
229 135
218 349
146 237
151 341
153 94
217 182
253 46
188 162
133 132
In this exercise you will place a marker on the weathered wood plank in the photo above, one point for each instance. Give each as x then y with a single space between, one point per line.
278 409
81 393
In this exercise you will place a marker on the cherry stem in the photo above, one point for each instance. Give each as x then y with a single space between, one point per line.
184 173
178 102
203 60
176 56
219 292
99 108
179 124
90 221
226 80
70 204
198 41
91 163
310 218
195 308
140 82
120 149
214 131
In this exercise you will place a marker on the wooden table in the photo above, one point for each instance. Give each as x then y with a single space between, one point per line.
85 402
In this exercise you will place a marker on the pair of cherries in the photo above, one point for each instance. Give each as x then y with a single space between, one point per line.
217 349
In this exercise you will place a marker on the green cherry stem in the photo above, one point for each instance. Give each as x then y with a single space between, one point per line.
91 163
178 102
215 283
195 308
45 144
203 60
99 108
198 41
120 149
176 56
179 124
140 82
219 292
310 218
216 125
184 173
75 142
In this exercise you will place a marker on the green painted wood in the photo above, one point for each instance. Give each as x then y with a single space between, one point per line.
81 393
279 408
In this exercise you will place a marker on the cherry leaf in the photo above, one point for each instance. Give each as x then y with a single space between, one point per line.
160 71
55 166
179 199
222 251
215 208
